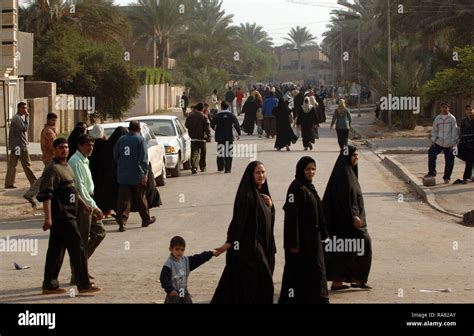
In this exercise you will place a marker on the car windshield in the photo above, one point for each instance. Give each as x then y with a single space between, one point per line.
161 127
108 132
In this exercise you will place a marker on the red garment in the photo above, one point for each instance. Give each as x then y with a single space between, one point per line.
240 96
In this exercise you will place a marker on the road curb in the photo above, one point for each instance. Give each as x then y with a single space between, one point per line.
425 193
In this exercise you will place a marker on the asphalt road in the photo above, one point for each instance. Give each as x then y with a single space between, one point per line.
414 247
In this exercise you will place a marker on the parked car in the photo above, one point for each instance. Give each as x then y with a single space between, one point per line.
170 131
156 150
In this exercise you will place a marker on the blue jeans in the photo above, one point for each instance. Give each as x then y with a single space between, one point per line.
435 149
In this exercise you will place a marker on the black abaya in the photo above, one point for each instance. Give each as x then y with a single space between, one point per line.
284 134
304 276
250 261
307 122
341 202
250 112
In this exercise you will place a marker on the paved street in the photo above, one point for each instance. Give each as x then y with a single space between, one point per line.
414 247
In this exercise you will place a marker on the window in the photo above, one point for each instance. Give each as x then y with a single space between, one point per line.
161 127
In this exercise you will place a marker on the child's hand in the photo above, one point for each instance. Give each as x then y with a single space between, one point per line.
174 294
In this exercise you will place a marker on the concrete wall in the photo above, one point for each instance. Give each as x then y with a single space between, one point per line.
38 108
25 47
152 98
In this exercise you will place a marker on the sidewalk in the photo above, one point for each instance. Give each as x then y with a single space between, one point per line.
406 153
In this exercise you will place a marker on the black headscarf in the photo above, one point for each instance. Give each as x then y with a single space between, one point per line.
300 167
247 186
73 140
119 131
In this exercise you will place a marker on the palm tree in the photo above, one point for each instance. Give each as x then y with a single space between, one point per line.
254 35
156 21
298 38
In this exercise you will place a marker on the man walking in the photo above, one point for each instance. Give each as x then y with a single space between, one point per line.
48 135
224 123
18 144
58 193
198 128
89 216
131 156
444 137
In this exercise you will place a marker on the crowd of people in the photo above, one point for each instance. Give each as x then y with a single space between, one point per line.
88 177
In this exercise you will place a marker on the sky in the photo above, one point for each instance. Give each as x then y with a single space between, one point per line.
277 17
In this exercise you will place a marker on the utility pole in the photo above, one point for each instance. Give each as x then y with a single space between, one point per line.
342 59
358 70
389 64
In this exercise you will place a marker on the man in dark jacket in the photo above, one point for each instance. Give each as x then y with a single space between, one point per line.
198 128
223 123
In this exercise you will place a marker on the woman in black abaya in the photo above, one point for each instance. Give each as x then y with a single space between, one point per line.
284 134
307 120
250 244
304 276
250 111
344 210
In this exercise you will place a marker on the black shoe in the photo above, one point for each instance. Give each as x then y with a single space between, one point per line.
459 181
11 187
203 170
122 228
227 172
150 221
363 286
430 175
193 171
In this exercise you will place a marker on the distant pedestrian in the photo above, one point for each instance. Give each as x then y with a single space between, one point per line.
284 133
199 131
18 145
307 120
131 156
342 119
259 114
229 97
269 121
444 137
175 273
250 115
239 95
466 145
48 135
224 123
214 103
184 102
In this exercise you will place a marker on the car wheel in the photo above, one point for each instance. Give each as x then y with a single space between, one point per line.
187 165
175 172
161 180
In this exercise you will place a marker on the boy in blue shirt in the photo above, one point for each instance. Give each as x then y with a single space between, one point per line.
175 273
